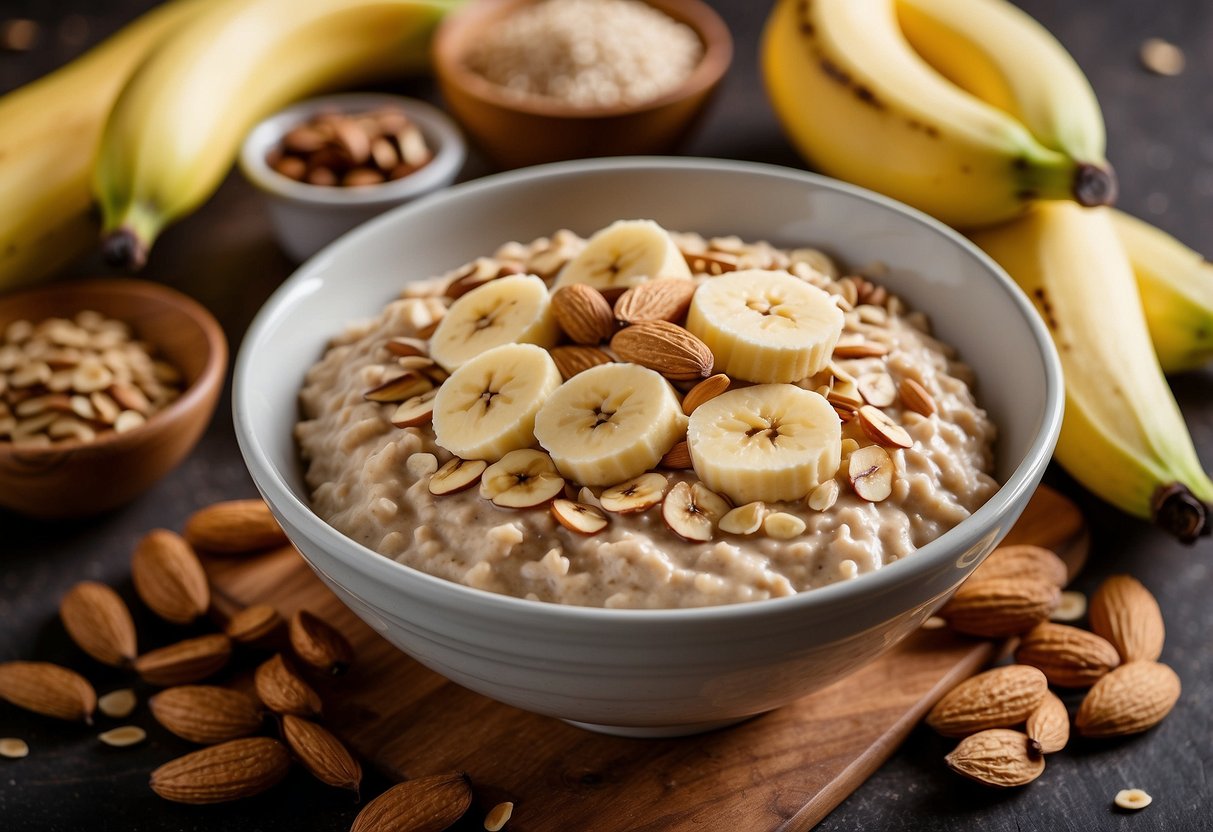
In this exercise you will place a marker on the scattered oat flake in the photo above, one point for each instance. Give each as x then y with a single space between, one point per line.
1162 57
1072 607
498 816
13 748
124 736
1132 799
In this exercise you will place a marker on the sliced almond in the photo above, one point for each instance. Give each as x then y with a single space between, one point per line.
405 347
998 698
1132 799
12 748
693 511
745 519
123 736
578 517
712 262
677 458
498 817
282 689
425 804
573 360
882 429
47 689
666 299
871 473
237 769
521 479
404 386
234 527
320 644
169 577
1124 612
824 496
637 494
456 475
98 621
1132 698
996 757
206 714
915 397
783 526
861 349
665 347
1048 727
877 389
416 411
254 624
128 420
1073 607
583 314
186 661
704 391
322 754
118 704
1000 607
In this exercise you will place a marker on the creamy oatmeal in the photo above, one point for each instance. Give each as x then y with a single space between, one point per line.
910 457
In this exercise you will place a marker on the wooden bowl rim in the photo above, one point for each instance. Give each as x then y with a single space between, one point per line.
461 26
192 398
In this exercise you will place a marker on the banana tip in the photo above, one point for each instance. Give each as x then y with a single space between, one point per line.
124 250
1095 185
1177 510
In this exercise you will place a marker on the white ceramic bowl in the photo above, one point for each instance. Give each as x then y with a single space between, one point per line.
305 217
663 672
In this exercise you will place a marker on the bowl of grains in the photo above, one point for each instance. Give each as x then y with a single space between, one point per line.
544 81
329 164
105 386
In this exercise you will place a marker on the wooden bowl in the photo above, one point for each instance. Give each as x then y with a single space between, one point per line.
516 133
74 478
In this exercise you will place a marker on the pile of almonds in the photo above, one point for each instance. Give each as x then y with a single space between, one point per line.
1008 719
236 761
349 150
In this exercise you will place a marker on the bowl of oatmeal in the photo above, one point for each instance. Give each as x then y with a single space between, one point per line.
631 457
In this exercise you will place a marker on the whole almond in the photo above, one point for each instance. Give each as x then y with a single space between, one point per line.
573 360
230 771
206 714
169 578
321 753
283 691
234 527
1068 657
319 644
997 757
1126 614
678 457
1000 607
47 689
1022 561
666 299
186 661
426 804
704 391
665 347
254 624
998 698
1049 725
98 621
1130 699
583 313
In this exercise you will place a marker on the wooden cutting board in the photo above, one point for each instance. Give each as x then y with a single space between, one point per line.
781 771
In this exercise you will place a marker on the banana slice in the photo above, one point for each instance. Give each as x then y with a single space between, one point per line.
624 254
610 423
769 442
509 310
765 326
487 407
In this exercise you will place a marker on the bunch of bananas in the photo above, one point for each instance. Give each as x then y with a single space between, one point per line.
147 124
971 111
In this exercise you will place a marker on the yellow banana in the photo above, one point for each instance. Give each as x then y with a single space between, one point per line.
862 105
1176 288
1123 436
48 134
177 126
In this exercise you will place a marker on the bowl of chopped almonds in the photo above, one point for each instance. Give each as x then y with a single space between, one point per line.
105 386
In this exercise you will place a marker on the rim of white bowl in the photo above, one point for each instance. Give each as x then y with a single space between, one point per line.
444 138
357 557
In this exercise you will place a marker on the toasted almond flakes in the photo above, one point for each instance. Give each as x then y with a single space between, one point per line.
117 703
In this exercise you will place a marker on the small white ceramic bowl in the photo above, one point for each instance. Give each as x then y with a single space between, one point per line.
306 217
651 672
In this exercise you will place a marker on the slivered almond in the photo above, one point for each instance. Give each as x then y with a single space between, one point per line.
1068 657
665 347
667 299
234 527
47 689
998 698
206 714
583 313
426 804
321 753
169 578
230 771
1048 726
1132 698
915 397
1000 607
996 757
254 624
320 644
98 621
704 391
573 360
186 661
283 691
1124 612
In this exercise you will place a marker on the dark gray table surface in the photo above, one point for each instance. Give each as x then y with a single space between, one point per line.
1161 141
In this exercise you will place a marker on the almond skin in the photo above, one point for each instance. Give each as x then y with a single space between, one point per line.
1048 726
283 691
998 698
48 689
704 391
583 314
1132 698
169 578
667 299
186 661
254 624
321 753
320 644
234 527
206 714
665 347
1000 607
230 771
1124 612
677 457
997 757
427 804
1022 561
573 360
1068 657
98 621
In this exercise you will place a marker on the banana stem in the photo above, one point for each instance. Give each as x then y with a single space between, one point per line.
1095 185
125 246
1178 511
